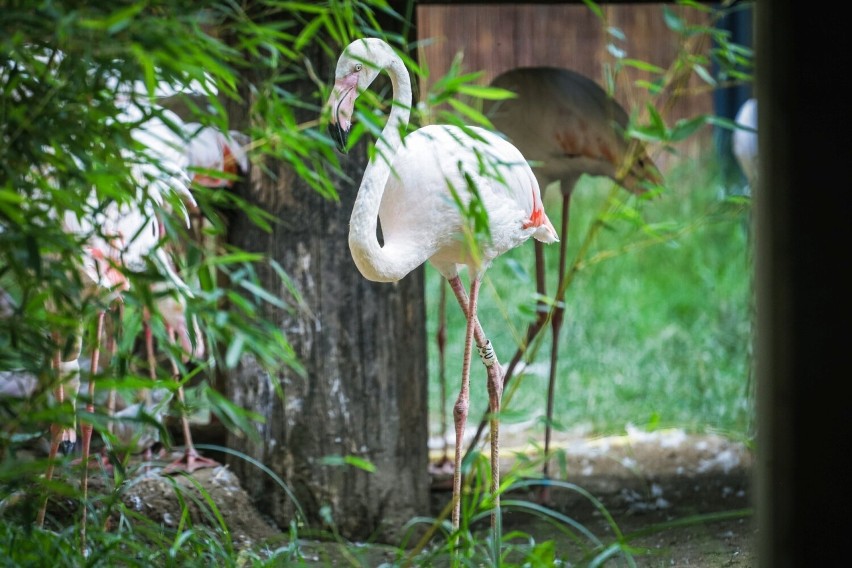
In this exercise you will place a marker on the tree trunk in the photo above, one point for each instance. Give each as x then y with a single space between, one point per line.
363 346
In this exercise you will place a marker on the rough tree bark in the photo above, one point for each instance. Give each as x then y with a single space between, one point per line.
364 347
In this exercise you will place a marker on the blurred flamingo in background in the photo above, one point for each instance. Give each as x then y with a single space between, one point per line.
214 160
568 126
744 141
119 238
119 235
127 237
208 157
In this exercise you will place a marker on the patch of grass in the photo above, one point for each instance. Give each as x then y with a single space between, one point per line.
657 328
120 534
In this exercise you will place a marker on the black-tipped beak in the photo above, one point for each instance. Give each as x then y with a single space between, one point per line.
339 135
341 103
66 447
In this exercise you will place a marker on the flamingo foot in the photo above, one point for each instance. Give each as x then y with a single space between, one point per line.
189 462
99 461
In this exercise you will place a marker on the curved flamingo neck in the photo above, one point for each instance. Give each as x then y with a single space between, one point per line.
375 262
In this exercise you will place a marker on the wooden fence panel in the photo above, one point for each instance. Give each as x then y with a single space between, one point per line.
495 38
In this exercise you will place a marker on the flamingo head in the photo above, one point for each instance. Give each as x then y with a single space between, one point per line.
358 66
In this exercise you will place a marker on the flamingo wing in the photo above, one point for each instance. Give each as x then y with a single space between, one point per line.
436 175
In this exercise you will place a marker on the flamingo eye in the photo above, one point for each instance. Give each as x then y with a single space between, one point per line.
358 67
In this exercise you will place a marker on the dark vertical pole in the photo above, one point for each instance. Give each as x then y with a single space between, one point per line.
803 222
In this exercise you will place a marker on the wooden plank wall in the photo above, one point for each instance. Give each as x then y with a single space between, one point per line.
494 38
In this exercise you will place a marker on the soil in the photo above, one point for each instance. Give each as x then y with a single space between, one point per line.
690 494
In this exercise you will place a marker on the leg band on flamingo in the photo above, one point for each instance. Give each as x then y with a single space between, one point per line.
487 354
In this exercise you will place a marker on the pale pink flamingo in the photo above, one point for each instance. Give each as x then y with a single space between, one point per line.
744 141
125 237
211 153
567 125
120 238
214 159
416 187
202 152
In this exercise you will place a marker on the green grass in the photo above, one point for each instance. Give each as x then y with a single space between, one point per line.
656 333
203 538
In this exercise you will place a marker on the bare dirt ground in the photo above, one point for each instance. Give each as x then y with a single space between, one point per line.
681 500
690 494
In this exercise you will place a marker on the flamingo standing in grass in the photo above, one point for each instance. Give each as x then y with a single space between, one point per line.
125 237
419 189
567 124
205 156
213 159
120 238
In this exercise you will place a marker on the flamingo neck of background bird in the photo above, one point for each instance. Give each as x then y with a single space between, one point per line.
377 263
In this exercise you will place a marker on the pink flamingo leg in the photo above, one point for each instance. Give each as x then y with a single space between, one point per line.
55 439
495 391
441 340
460 411
62 440
191 459
86 429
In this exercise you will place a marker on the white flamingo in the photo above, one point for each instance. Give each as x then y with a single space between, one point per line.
126 237
201 152
416 188
744 141
120 237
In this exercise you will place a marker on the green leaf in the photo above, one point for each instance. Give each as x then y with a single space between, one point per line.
672 20
595 8
237 257
615 51
115 22
704 74
234 417
642 65
350 460
309 32
684 128
471 113
235 350
259 292
616 33
488 93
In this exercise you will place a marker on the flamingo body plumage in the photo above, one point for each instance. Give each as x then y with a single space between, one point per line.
209 150
420 223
